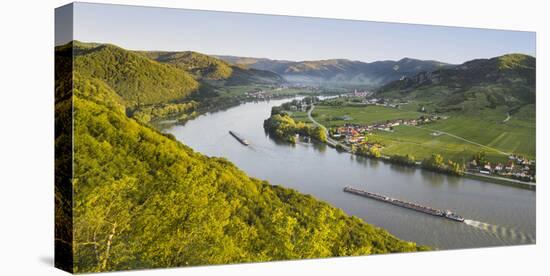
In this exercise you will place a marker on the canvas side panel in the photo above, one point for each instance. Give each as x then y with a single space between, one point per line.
64 138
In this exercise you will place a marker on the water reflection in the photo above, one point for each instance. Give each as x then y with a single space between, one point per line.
373 163
433 178
454 180
322 148
403 169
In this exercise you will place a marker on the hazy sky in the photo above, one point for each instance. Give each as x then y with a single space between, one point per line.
290 38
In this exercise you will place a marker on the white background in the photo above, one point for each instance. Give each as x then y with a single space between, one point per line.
26 135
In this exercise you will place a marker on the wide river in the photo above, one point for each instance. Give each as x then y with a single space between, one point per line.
496 214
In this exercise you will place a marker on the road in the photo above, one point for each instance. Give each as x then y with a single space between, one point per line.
507 117
500 179
464 139
330 141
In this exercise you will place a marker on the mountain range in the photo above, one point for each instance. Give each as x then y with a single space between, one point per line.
210 68
339 71
150 77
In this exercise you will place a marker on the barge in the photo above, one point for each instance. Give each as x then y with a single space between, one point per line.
408 205
239 138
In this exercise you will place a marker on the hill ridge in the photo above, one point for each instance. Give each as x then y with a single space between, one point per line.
508 80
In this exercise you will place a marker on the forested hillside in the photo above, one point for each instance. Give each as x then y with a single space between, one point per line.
154 84
144 200
242 76
209 68
137 79
201 66
506 81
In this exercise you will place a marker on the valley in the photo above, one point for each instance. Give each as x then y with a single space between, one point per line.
191 137
484 126
152 129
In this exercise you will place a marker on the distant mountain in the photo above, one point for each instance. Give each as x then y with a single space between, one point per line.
339 71
507 80
209 68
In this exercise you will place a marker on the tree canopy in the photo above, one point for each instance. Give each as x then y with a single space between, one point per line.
136 78
141 199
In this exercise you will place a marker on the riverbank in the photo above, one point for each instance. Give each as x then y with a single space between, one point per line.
494 179
456 136
315 169
219 104
502 181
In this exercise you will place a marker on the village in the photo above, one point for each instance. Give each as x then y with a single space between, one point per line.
367 97
355 136
362 136
516 167
280 91
352 134
258 95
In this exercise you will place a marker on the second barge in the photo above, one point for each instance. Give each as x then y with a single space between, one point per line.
239 138
408 205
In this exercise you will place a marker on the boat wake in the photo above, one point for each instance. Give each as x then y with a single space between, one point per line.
502 232
482 225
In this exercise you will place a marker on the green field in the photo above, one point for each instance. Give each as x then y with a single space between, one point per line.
513 136
421 143
331 116
518 140
486 127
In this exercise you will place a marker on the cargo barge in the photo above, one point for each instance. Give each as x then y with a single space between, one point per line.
239 138
408 205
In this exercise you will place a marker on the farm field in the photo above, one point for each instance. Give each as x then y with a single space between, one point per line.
484 130
422 143
300 116
513 136
331 116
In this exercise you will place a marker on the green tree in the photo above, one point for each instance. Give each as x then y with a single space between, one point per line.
407 160
456 168
375 152
480 158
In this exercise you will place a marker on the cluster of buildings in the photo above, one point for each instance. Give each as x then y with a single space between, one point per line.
272 91
355 133
362 94
299 107
258 94
516 167
382 102
368 99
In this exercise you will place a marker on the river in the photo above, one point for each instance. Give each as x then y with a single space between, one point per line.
495 214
